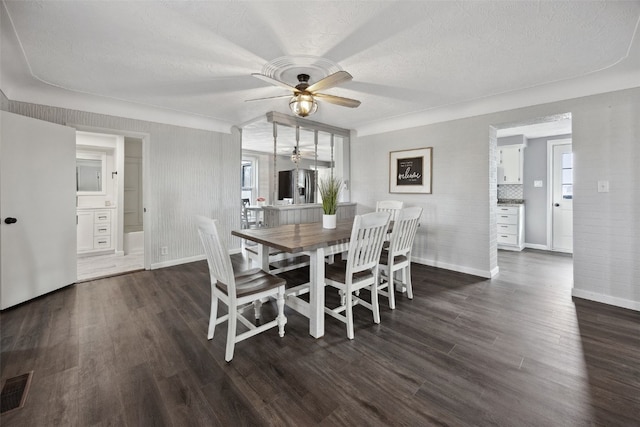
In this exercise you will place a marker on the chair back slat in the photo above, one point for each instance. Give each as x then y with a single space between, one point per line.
404 231
220 267
367 236
391 206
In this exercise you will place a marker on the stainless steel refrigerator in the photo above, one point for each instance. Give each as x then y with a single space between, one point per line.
306 186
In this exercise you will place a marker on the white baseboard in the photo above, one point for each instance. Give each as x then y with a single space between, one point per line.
606 299
454 267
178 261
187 260
536 246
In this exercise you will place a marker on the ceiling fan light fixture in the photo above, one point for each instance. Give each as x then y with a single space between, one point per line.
303 104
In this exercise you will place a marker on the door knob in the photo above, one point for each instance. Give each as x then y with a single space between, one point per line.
556 204
9 220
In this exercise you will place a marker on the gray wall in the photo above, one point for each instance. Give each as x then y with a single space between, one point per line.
459 215
191 172
512 140
457 230
536 198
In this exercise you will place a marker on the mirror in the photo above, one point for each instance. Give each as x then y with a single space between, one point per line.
90 170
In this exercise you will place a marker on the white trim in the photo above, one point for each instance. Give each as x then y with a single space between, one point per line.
454 267
606 299
536 246
178 261
550 144
495 271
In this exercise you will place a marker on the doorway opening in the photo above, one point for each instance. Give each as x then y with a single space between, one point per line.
534 178
110 218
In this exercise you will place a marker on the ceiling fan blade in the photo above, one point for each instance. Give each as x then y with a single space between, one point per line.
338 100
276 82
269 97
330 81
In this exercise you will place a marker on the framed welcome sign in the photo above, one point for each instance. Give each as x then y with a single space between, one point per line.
410 171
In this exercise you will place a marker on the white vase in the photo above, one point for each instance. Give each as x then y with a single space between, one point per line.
328 221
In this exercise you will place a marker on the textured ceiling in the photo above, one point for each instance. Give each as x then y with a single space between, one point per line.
408 59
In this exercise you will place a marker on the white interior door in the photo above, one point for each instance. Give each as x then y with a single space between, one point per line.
38 190
562 198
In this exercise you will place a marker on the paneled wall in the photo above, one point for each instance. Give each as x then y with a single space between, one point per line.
190 172
456 230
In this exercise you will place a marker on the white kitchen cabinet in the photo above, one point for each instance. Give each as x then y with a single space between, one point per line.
510 227
94 230
510 164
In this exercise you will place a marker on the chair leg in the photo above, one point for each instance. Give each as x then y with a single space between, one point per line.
391 290
231 333
213 315
349 314
407 280
256 309
390 286
375 306
282 320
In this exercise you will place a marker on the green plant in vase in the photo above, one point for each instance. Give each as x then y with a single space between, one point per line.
330 192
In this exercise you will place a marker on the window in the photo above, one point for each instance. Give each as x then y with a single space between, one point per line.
567 176
247 179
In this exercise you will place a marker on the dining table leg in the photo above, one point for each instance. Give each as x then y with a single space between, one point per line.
263 256
316 293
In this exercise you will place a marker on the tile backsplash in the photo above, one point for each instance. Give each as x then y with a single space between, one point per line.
510 191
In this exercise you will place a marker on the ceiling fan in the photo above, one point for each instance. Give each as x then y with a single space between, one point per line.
303 101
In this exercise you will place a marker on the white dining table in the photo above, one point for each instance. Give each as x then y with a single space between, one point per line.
310 239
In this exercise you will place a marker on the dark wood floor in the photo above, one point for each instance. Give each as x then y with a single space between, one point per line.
514 351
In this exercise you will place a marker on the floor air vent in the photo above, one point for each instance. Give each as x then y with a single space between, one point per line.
14 392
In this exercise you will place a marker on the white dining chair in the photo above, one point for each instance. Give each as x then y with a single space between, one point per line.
360 269
397 256
391 206
239 290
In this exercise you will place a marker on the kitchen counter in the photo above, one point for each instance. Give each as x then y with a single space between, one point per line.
303 213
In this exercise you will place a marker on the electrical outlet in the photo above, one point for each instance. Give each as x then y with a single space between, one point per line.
603 186
164 250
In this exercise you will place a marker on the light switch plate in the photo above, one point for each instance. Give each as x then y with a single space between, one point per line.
537 183
603 186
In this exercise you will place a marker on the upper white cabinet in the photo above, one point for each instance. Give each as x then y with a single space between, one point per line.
510 164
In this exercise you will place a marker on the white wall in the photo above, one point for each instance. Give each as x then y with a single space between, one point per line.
190 172
456 229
